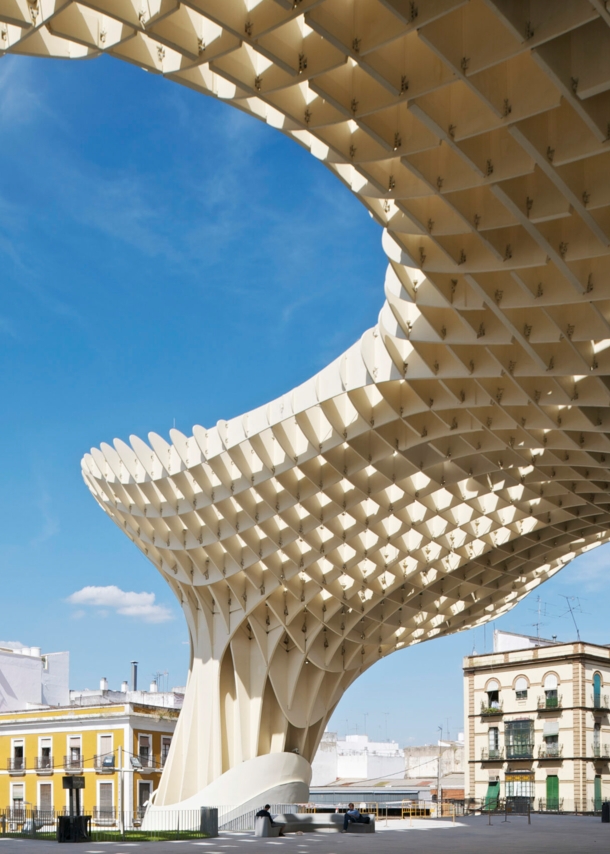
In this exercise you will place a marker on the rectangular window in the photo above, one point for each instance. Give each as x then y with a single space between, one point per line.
519 737
521 695
144 750
74 755
45 758
45 797
144 793
166 741
105 745
105 805
597 793
519 785
17 798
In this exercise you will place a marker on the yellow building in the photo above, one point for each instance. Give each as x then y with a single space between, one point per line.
119 748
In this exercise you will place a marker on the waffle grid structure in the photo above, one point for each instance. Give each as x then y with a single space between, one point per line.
459 454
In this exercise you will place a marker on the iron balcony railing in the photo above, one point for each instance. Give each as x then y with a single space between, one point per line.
104 762
601 751
104 814
43 764
73 763
16 765
519 751
550 751
492 754
549 702
550 805
600 701
494 709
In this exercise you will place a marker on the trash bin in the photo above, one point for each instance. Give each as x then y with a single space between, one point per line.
606 812
74 828
209 821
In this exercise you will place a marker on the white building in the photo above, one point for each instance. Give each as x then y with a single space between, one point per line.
356 758
421 761
28 678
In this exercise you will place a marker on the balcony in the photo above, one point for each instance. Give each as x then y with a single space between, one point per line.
43 764
549 703
550 751
488 711
73 764
600 701
104 763
105 816
16 766
600 751
519 751
492 755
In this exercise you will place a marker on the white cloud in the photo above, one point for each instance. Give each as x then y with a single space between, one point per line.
127 603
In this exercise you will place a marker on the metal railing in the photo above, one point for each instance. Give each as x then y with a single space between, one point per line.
600 701
16 765
550 805
494 709
107 824
43 764
73 763
600 751
492 754
549 702
104 762
550 751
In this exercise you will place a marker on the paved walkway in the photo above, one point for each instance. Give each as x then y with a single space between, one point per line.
559 834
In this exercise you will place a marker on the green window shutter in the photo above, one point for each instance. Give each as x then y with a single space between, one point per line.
552 792
492 797
597 793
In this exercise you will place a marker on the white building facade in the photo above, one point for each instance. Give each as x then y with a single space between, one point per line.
356 758
29 678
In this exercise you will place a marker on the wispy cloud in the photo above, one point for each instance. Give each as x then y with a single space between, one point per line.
50 522
140 606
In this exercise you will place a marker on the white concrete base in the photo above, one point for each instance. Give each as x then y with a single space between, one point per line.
277 778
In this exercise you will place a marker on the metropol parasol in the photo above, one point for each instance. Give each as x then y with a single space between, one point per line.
458 454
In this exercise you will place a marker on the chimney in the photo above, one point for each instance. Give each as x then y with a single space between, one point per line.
153 687
124 687
103 684
134 675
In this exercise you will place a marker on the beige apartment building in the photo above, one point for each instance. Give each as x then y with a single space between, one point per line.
537 723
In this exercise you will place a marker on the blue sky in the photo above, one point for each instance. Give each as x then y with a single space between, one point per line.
163 257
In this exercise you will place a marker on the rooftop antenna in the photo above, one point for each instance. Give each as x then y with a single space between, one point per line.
541 611
569 600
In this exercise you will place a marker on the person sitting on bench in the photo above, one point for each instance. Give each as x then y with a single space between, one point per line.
352 814
264 813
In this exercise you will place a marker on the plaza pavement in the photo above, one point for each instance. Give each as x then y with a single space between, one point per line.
473 835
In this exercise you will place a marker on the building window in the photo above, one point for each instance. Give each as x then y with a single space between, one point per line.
551 697
519 737
597 691
494 742
493 694
493 795
17 798
552 792
521 688
144 751
144 793
519 785
105 801
166 741
597 793
74 759
550 734
46 758
45 798
18 757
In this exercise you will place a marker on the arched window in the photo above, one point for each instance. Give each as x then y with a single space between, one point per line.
493 694
551 697
597 690
521 688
